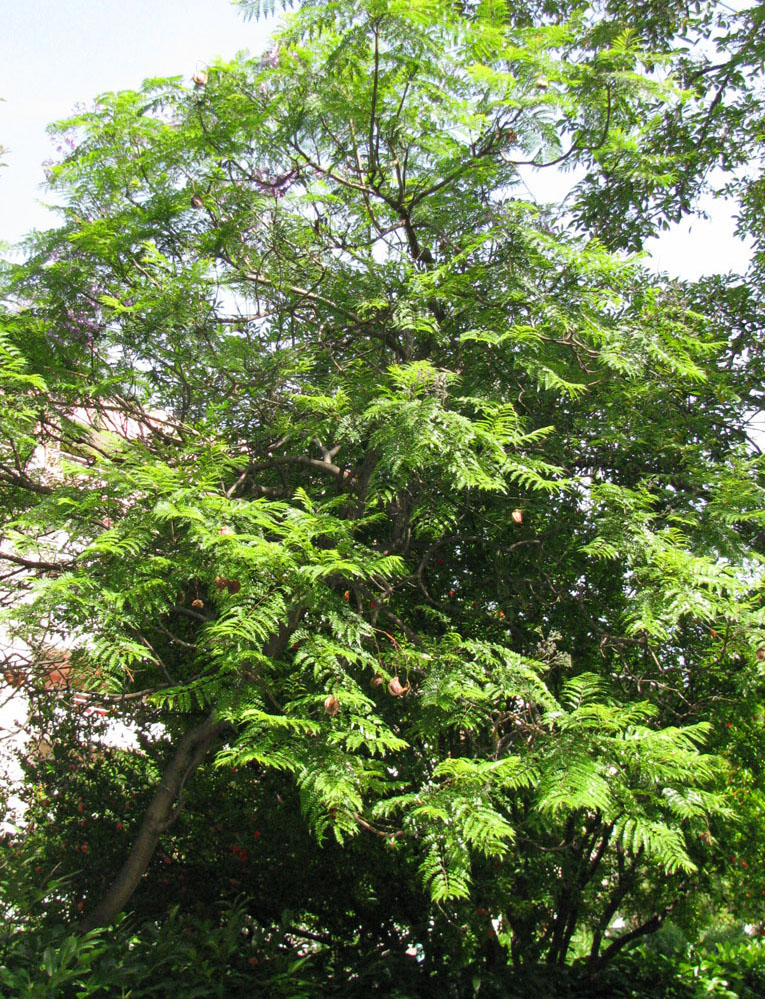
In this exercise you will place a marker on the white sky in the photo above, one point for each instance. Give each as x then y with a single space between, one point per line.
55 54
688 249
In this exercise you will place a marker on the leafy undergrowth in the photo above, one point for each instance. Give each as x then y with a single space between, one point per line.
216 958
228 956
733 970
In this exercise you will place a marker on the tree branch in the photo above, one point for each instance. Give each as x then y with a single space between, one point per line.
164 808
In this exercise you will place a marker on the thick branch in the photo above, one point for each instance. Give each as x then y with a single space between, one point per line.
161 813
32 563
643 929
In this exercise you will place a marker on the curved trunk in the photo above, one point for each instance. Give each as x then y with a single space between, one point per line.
160 815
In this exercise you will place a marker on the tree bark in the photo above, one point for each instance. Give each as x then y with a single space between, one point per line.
166 803
160 815
649 926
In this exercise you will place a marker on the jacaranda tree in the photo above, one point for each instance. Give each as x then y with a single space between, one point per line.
412 524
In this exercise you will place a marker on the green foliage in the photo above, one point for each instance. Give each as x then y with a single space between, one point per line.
223 956
443 508
733 970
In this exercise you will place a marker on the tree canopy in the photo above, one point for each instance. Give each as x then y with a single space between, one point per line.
413 525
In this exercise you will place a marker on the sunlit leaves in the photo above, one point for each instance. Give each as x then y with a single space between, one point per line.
441 504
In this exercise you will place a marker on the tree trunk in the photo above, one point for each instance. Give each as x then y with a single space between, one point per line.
166 804
161 813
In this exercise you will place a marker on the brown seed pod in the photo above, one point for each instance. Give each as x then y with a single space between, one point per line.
200 77
517 516
221 582
377 681
233 586
396 688
331 705
198 604
196 201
